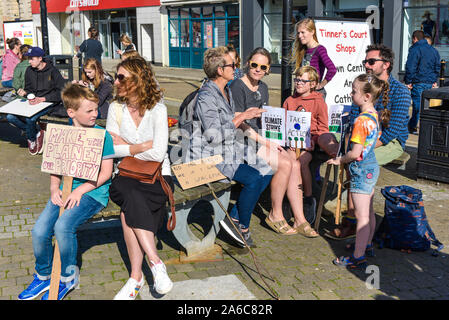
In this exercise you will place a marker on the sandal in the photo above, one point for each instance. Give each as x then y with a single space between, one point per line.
281 227
306 230
351 262
369 252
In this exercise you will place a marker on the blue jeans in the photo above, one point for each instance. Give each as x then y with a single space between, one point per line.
64 228
416 93
27 124
7 84
254 183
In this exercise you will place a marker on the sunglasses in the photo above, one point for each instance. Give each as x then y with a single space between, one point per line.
232 65
372 61
298 81
120 77
255 65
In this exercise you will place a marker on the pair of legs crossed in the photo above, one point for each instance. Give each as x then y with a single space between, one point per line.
286 180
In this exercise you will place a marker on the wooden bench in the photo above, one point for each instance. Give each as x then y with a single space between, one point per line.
185 200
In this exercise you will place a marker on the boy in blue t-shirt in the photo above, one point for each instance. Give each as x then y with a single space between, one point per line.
86 199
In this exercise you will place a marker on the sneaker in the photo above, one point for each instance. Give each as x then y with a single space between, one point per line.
35 288
130 290
309 204
162 283
64 288
40 141
247 236
32 147
228 225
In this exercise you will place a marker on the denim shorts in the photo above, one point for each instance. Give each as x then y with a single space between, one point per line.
364 176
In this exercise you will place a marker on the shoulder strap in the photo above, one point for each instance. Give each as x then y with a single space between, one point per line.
171 223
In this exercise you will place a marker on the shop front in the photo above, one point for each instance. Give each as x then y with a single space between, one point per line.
69 20
194 28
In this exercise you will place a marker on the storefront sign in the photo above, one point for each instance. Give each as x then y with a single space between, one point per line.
345 42
54 6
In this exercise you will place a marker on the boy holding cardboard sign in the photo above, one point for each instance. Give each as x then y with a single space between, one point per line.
85 199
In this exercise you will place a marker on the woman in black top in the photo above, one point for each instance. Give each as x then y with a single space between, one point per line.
91 47
250 91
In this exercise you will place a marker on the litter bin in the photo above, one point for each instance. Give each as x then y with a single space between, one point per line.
433 144
64 63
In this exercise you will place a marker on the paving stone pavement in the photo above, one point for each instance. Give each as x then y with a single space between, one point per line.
301 268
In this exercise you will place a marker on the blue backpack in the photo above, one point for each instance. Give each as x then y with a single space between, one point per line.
405 225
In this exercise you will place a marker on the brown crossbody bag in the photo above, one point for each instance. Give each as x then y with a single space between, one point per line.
149 172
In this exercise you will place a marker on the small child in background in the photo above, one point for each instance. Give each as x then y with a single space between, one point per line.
363 166
86 199
306 98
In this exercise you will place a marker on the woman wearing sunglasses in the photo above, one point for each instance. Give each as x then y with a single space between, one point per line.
308 52
98 81
215 132
137 122
250 91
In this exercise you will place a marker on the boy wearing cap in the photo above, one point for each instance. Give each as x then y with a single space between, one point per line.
43 83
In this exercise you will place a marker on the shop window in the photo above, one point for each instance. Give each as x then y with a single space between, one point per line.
196 13
233 32
434 21
207 12
233 10
174 33
272 25
185 34
219 12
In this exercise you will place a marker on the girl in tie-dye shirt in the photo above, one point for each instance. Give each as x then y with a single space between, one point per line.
363 166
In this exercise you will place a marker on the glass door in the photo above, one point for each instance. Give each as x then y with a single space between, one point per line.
104 39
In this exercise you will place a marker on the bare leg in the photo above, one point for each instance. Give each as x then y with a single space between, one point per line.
372 219
305 159
146 240
362 213
135 251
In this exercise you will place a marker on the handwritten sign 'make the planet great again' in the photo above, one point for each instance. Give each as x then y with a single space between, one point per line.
73 151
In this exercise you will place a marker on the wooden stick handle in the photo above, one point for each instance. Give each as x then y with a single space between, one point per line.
56 268
340 182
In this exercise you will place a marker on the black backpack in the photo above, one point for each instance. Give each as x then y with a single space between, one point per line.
186 109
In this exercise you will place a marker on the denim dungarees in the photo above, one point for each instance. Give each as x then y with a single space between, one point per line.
364 173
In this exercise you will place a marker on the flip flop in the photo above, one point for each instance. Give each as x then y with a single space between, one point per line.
281 227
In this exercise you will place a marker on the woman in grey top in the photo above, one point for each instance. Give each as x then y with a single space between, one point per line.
215 132
251 92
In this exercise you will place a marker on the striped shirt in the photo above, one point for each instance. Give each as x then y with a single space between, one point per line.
399 103
321 61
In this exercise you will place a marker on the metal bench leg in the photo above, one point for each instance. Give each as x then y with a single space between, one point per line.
184 235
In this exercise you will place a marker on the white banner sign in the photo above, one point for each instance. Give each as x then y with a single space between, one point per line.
345 42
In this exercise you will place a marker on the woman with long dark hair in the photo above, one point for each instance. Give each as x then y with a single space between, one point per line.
91 47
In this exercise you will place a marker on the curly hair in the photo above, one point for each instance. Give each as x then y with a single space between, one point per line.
142 84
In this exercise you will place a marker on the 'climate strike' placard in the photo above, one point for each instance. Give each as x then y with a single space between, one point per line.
73 151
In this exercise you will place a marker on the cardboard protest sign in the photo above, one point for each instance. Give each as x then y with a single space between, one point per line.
273 124
335 112
198 172
345 131
73 151
345 42
22 107
298 129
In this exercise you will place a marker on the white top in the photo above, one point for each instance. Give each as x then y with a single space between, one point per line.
154 126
